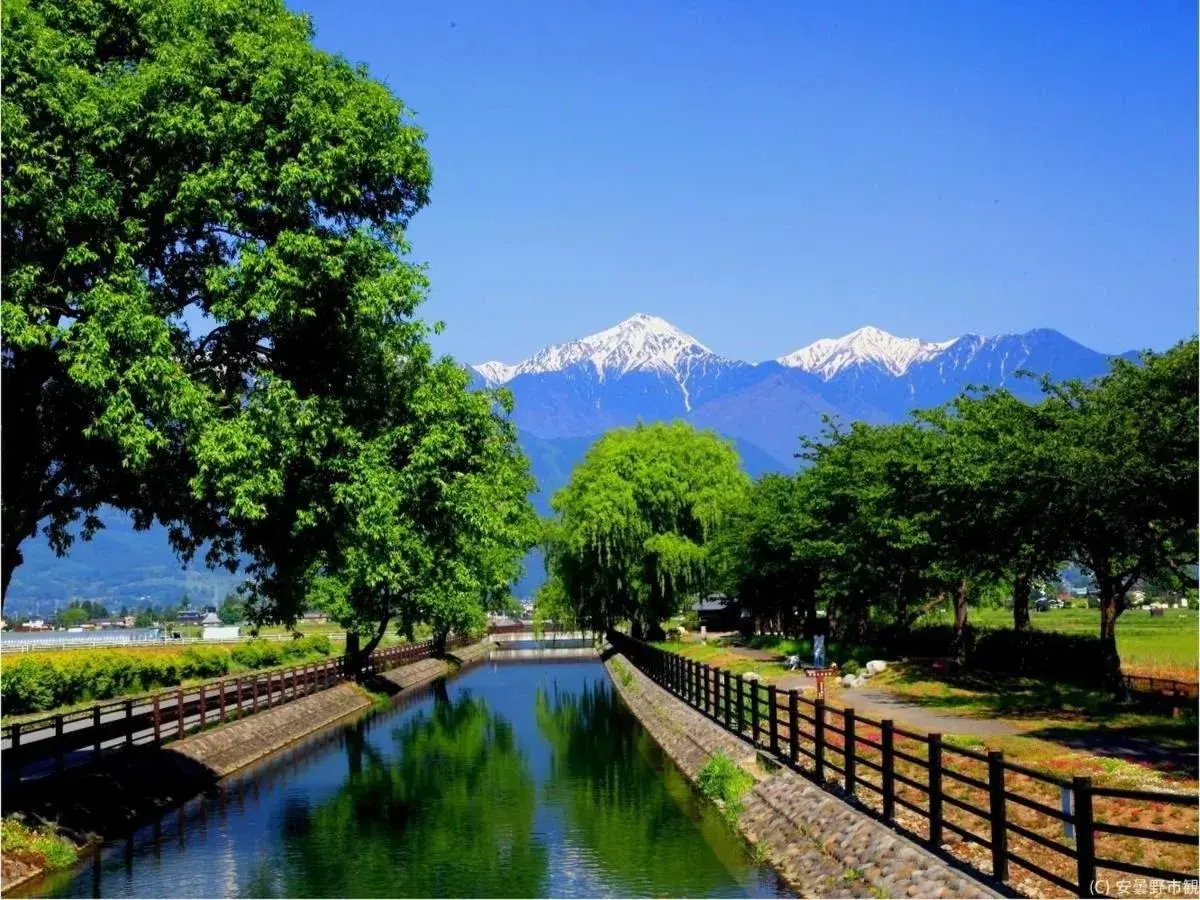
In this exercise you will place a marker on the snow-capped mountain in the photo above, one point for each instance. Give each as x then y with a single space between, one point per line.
866 346
647 369
642 344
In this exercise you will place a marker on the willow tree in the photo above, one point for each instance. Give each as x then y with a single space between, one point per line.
630 535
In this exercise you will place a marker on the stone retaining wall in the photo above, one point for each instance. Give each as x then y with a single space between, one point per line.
464 655
236 744
416 673
821 846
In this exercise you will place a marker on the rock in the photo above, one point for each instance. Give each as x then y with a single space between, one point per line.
848 681
859 681
875 666
751 676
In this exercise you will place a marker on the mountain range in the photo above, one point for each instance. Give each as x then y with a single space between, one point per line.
643 368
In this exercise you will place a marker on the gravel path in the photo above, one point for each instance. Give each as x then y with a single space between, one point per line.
879 704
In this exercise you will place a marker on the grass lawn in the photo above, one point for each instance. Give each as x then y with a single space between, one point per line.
1166 646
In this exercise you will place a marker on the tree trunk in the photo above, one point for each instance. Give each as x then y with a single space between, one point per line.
439 642
356 658
1021 588
635 629
1111 606
654 632
10 558
958 647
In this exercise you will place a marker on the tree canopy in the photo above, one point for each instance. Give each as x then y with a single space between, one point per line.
209 316
630 537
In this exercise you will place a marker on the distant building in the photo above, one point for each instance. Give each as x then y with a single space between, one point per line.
314 617
190 617
717 612
221 633
210 619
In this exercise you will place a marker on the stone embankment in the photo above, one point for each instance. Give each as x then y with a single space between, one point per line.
820 846
464 655
416 674
237 744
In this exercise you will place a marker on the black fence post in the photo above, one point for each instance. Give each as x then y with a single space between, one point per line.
850 749
707 704
794 727
754 709
997 815
1085 836
741 709
773 718
935 790
819 738
157 723
96 730
728 700
889 772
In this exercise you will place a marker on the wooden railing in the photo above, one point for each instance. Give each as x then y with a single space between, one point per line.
53 743
937 790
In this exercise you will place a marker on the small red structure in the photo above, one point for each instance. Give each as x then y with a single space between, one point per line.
819 674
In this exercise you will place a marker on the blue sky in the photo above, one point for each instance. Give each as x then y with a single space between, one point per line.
765 174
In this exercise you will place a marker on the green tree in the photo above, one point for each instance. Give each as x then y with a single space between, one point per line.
426 521
232 610
1127 453
72 617
630 535
772 552
204 225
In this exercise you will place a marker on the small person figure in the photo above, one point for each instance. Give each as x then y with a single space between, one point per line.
793 663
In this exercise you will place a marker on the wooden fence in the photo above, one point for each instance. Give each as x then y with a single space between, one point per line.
63 740
995 812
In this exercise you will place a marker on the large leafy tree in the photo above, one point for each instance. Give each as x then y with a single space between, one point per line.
772 553
427 521
1127 455
204 226
868 490
632 529
995 484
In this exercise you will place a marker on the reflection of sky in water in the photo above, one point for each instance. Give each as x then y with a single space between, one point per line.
479 791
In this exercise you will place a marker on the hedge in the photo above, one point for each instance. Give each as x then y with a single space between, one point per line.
39 682
1069 658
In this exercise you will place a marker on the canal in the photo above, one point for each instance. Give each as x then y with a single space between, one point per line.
511 779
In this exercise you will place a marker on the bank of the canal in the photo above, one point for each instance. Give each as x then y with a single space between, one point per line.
506 779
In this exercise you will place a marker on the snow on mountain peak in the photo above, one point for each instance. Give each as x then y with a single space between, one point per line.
640 342
868 345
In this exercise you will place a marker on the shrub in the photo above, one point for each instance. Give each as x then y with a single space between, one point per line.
55 850
850 667
722 779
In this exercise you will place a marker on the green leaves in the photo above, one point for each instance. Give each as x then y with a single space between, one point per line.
631 535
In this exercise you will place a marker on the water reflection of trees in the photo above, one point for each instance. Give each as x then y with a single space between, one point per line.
450 815
624 800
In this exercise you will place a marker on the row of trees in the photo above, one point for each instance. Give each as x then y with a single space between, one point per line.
209 319
885 522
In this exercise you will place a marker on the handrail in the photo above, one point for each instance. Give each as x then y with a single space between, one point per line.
172 713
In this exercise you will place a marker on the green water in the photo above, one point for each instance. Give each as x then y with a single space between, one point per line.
510 780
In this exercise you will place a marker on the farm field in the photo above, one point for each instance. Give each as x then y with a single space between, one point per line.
1161 646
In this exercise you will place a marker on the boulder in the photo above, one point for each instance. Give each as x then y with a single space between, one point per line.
751 676
848 681
875 666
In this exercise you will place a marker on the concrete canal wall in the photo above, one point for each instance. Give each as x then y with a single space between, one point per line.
464 655
820 845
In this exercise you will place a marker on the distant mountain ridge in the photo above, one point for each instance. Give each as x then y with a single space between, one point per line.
645 368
